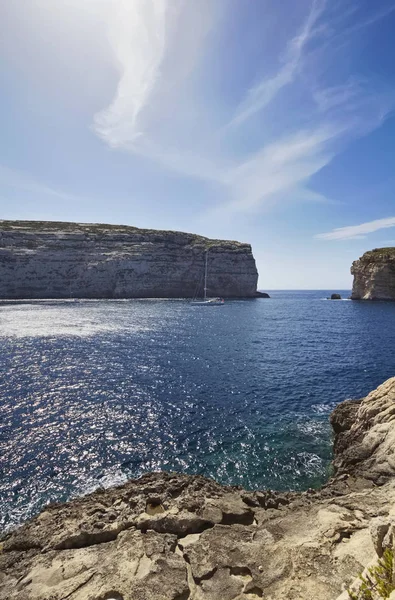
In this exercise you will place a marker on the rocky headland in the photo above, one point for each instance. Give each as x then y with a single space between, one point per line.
63 260
168 536
374 275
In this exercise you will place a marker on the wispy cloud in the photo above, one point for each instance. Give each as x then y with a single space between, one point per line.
137 37
363 23
163 107
260 95
357 232
15 179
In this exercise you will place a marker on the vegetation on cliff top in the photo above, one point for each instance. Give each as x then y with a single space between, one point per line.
379 253
100 229
378 582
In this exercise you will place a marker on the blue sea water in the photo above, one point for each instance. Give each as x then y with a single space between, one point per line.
95 392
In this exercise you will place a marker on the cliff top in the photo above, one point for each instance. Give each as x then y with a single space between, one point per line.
379 253
100 229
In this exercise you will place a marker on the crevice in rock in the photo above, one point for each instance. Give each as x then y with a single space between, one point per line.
345 535
183 596
206 576
79 586
255 591
246 518
86 539
174 527
240 571
21 546
190 580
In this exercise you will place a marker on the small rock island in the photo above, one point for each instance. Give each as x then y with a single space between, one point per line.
374 275
76 260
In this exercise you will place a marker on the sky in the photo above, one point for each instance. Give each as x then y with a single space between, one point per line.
267 122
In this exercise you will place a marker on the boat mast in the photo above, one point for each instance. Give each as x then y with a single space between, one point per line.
205 276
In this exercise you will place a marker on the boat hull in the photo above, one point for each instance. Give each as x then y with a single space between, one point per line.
207 303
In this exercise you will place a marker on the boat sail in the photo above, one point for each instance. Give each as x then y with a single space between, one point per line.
207 301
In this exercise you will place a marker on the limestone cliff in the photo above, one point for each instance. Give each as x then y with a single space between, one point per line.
181 537
59 260
374 275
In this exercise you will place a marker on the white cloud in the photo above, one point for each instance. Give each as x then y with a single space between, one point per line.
163 109
279 167
137 37
357 232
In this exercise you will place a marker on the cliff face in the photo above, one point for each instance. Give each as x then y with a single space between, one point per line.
59 260
181 537
374 275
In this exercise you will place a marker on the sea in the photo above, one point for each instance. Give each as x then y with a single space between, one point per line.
93 393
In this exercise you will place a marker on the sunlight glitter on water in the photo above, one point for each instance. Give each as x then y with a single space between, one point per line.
93 393
61 318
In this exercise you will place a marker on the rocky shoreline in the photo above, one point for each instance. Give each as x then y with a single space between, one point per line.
169 536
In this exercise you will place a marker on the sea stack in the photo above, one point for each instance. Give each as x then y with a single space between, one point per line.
374 275
63 260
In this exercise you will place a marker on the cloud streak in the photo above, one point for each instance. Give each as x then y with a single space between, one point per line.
357 232
160 109
137 37
259 96
18 180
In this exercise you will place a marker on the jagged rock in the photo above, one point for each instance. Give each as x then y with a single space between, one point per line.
374 275
169 536
262 295
379 582
365 435
63 260
378 530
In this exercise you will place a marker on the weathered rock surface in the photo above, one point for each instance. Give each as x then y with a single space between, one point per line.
374 275
169 536
59 260
365 435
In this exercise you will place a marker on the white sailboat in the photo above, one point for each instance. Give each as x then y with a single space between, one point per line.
207 301
71 295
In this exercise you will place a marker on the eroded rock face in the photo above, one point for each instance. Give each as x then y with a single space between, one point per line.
374 275
62 260
169 536
365 435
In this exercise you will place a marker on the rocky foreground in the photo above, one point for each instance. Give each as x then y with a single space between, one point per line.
180 537
64 260
374 275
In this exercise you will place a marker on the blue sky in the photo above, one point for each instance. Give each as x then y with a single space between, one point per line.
258 120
